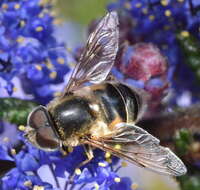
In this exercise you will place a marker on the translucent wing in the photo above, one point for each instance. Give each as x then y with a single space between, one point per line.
141 148
98 57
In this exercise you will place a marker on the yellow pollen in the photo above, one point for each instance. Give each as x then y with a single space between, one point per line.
57 21
124 164
77 171
71 64
109 160
117 147
151 17
6 139
17 6
37 187
4 6
134 186
20 39
168 13
127 5
60 60
28 183
53 74
15 89
13 151
117 179
21 127
96 186
185 34
38 67
41 15
145 11
107 155
49 64
70 149
102 164
138 5
164 2
22 23
45 10
39 29
54 13
64 153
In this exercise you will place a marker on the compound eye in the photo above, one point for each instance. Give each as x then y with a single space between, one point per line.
40 125
37 118
46 138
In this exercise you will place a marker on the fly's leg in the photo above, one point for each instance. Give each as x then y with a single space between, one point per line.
90 156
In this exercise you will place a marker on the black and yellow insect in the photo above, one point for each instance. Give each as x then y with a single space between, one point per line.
102 114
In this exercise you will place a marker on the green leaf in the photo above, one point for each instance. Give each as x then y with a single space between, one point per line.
15 110
190 182
191 49
183 141
82 11
189 43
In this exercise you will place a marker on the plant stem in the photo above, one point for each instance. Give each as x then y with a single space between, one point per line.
192 10
83 185
72 186
54 176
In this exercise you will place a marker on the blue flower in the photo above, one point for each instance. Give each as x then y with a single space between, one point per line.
28 48
15 179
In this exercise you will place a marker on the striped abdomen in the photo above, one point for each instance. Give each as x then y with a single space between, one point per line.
119 102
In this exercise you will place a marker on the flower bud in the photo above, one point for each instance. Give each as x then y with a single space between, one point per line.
143 61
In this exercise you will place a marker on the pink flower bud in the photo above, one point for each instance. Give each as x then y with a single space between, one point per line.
143 61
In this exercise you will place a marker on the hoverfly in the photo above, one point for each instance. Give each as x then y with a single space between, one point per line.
103 114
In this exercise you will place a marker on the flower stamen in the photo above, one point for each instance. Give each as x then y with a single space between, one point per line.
117 179
17 6
134 186
102 164
77 171
39 29
28 183
60 60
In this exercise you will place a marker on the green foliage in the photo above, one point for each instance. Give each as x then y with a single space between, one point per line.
15 110
82 11
183 140
191 50
190 182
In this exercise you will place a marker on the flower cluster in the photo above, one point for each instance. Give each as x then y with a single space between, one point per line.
164 23
100 173
28 49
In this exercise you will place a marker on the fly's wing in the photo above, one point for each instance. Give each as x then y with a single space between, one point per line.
141 148
99 54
